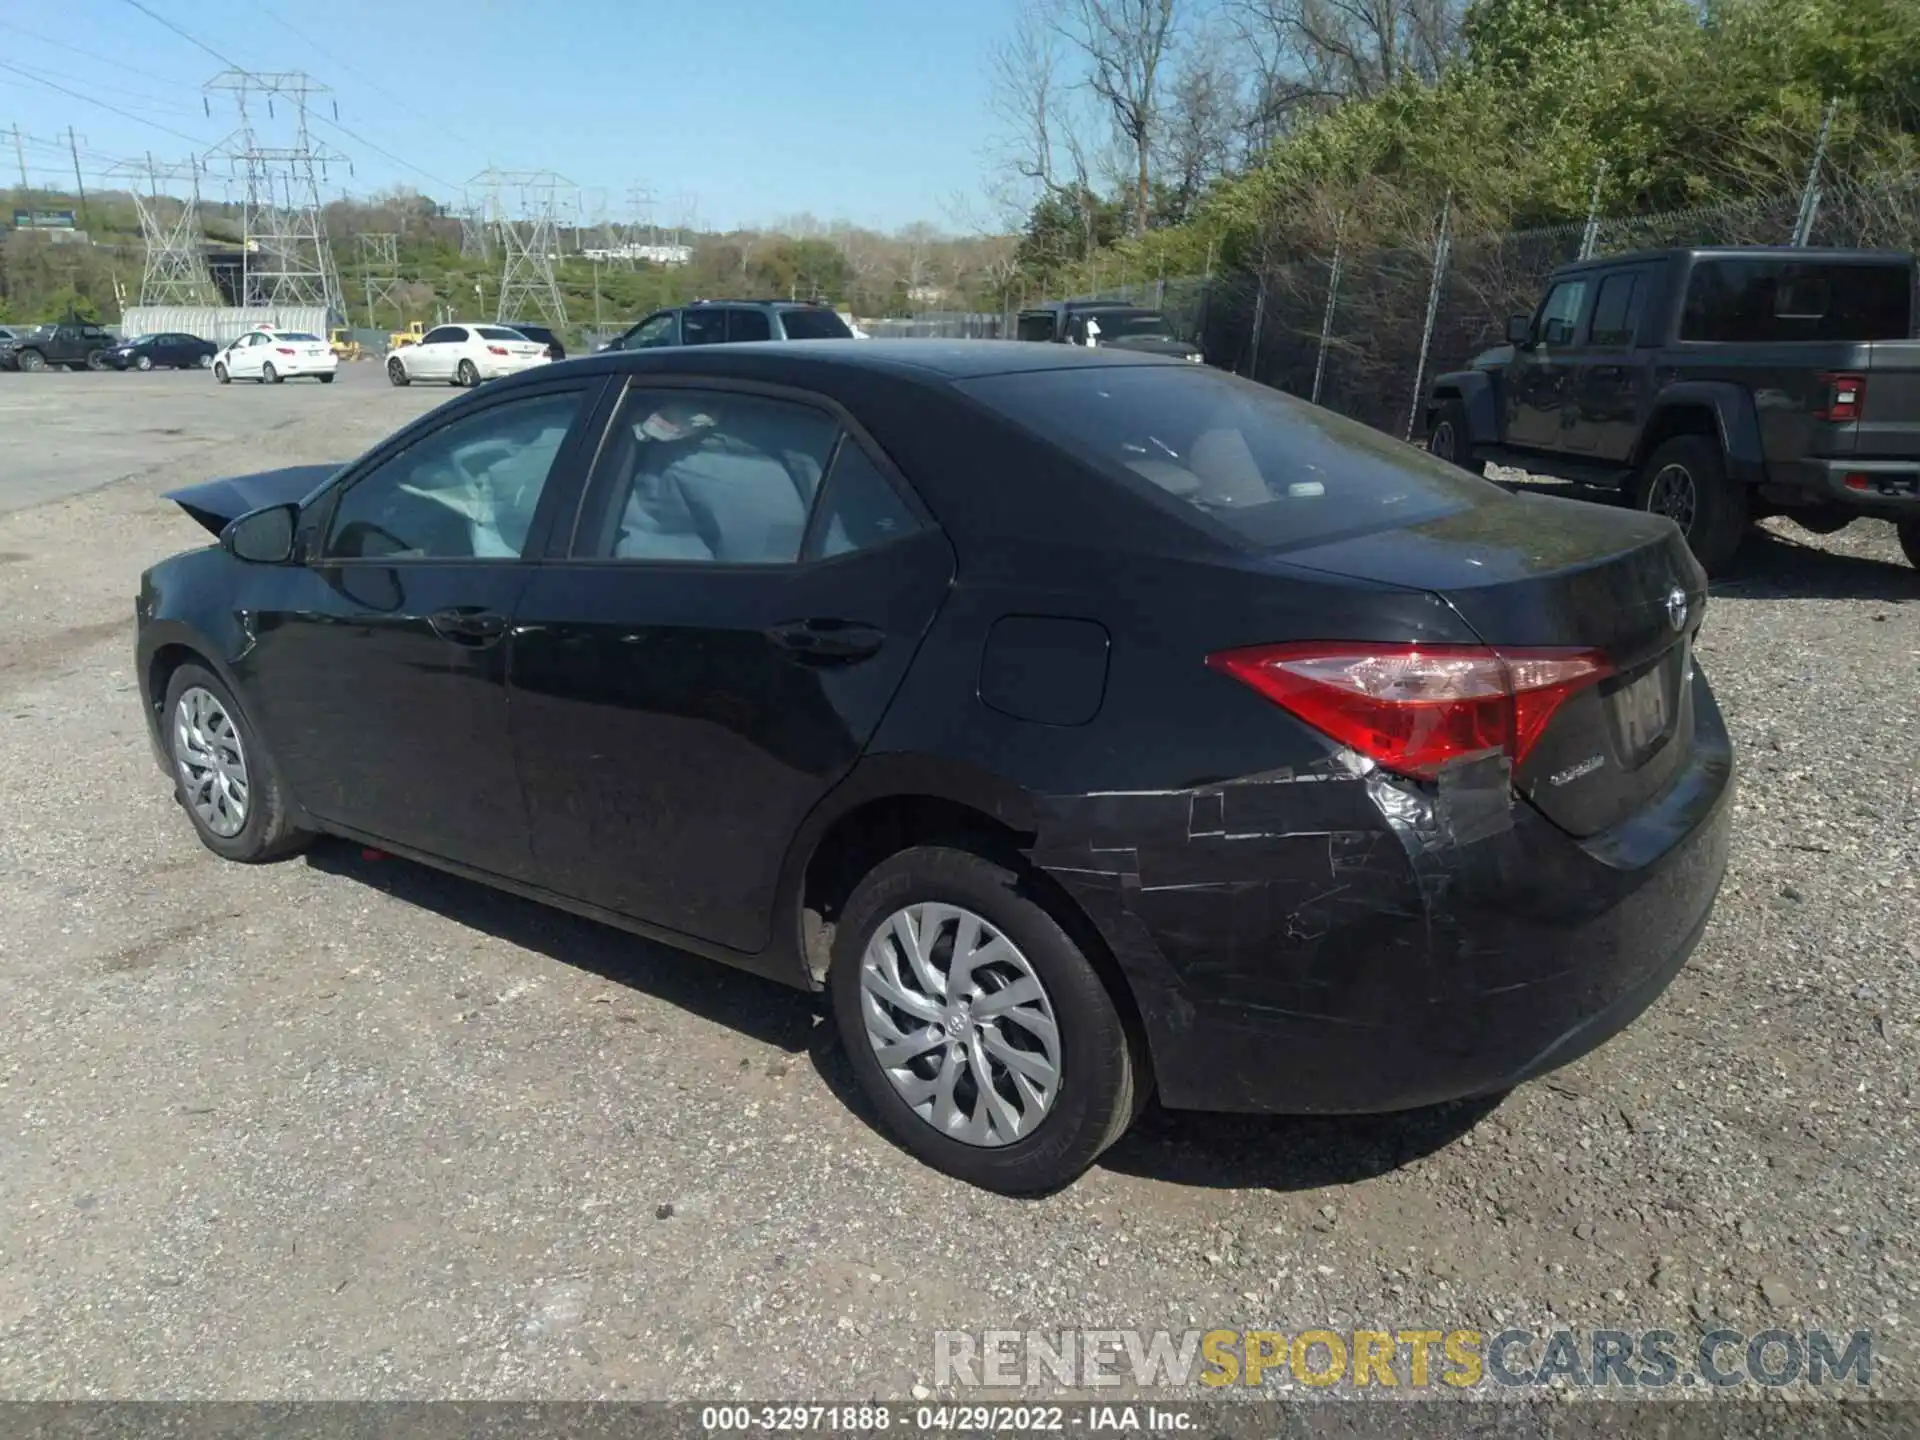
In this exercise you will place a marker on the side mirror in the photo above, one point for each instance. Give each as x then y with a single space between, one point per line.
262 537
1519 328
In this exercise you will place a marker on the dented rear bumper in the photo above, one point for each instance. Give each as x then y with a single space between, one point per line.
1342 942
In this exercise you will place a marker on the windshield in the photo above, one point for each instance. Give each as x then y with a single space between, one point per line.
1132 325
814 325
1267 469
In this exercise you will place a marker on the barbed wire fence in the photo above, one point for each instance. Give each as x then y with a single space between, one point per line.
1361 330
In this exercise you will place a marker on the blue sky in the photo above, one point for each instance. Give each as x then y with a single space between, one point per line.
875 110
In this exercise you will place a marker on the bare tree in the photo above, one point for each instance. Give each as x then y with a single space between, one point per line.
1046 150
1203 119
1126 43
1314 54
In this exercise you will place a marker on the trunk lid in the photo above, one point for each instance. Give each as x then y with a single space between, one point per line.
1529 571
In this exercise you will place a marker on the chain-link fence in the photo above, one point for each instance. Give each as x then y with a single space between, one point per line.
942 325
1361 332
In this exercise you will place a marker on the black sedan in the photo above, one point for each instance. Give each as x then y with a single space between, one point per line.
1086 724
166 351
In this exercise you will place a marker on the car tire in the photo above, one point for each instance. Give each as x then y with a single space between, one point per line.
466 377
1100 1070
205 362
397 372
31 361
1451 438
269 375
1910 541
220 374
97 360
324 379
1686 480
145 362
200 718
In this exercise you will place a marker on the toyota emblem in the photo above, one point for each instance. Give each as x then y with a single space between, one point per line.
1677 608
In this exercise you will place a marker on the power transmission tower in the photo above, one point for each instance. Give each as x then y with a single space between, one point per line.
476 230
176 271
640 202
379 271
286 258
527 204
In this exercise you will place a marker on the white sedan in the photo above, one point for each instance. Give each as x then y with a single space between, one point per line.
465 355
270 356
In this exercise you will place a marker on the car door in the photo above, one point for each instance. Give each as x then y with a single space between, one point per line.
1539 380
1605 387
739 603
434 355
382 677
243 360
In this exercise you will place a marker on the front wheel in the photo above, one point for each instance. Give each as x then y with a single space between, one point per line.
1451 438
397 372
1686 480
223 776
1910 541
466 376
145 362
976 1026
31 361
220 374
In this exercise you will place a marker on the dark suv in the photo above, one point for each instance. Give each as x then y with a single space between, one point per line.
726 322
540 335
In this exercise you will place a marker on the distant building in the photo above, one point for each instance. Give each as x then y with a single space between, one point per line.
652 254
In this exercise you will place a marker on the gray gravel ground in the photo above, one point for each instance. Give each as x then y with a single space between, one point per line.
344 1127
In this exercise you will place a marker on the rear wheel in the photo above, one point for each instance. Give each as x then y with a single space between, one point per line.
1451 439
204 361
1686 480
269 375
397 372
97 360
466 376
325 379
1910 541
223 776
977 1027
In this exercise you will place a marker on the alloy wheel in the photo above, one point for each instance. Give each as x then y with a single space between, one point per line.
1674 495
211 762
961 1024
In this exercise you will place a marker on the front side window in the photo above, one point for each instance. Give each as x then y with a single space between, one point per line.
1561 314
747 325
713 476
651 333
703 327
465 491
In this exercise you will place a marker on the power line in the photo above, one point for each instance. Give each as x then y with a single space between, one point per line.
364 79
84 54
352 135
115 109
147 102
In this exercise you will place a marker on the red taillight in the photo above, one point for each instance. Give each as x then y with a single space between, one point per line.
1845 395
496 349
1854 480
1412 708
282 350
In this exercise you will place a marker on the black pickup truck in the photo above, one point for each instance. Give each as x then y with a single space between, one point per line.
1713 386
74 344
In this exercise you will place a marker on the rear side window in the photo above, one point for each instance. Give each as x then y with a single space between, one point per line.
748 325
1766 299
1036 325
1245 463
703 327
1616 309
814 325
859 508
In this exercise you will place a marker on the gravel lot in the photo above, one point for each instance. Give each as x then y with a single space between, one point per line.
343 1127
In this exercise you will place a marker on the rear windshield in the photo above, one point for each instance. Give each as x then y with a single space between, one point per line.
1765 299
1265 468
497 332
814 325
534 332
300 335
1035 325
1132 324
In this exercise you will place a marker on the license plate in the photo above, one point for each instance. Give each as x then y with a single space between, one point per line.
1643 711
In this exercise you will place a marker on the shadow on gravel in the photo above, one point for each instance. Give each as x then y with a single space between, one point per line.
1776 567
770 1013
1279 1152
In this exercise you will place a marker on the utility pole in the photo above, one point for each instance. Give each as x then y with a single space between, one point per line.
20 154
73 147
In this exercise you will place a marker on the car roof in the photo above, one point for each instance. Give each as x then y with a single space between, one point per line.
1815 254
926 359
